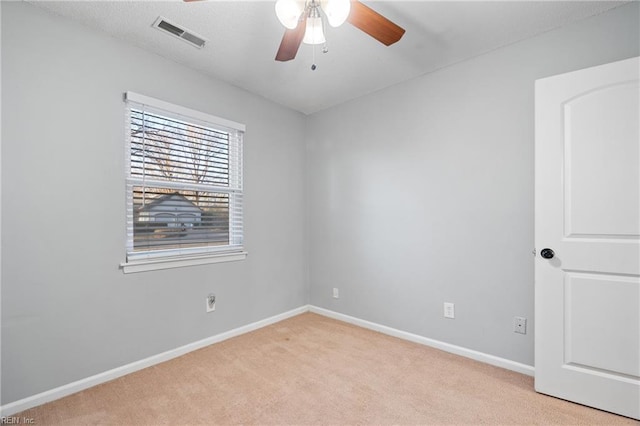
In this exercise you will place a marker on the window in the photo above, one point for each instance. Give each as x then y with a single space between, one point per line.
184 186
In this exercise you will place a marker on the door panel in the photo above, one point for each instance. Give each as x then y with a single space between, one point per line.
601 308
587 197
600 125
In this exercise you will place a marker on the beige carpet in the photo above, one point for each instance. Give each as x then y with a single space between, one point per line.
313 370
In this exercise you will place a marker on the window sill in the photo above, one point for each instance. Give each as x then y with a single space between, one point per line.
144 265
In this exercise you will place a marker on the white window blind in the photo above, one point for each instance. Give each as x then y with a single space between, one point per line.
184 181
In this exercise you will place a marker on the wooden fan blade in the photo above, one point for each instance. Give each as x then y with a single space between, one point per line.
291 42
374 24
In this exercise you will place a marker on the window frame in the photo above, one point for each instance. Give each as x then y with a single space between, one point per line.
181 257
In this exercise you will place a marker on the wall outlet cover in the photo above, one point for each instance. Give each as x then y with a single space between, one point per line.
211 302
520 325
449 310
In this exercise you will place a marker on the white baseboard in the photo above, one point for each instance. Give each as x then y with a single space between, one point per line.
447 347
68 389
77 386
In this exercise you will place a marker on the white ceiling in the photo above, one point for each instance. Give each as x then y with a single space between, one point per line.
243 37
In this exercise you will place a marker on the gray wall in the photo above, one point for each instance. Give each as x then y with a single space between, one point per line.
423 193
68 311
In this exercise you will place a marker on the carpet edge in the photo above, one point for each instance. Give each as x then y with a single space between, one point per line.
447 347
82 384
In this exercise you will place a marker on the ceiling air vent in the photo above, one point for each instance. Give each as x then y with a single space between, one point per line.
176 31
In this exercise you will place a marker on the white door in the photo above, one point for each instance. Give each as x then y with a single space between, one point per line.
587 198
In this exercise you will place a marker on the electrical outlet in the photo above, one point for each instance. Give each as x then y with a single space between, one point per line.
520 325
211 302
449 310
336 293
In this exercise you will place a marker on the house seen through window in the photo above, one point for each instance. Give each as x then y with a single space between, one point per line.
184 181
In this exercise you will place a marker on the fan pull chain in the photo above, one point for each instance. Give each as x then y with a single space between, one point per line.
325 49
313 65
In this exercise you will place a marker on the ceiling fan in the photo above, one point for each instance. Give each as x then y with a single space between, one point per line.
303 20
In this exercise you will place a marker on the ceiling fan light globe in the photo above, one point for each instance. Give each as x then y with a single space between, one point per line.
337 11
314 34
288 12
